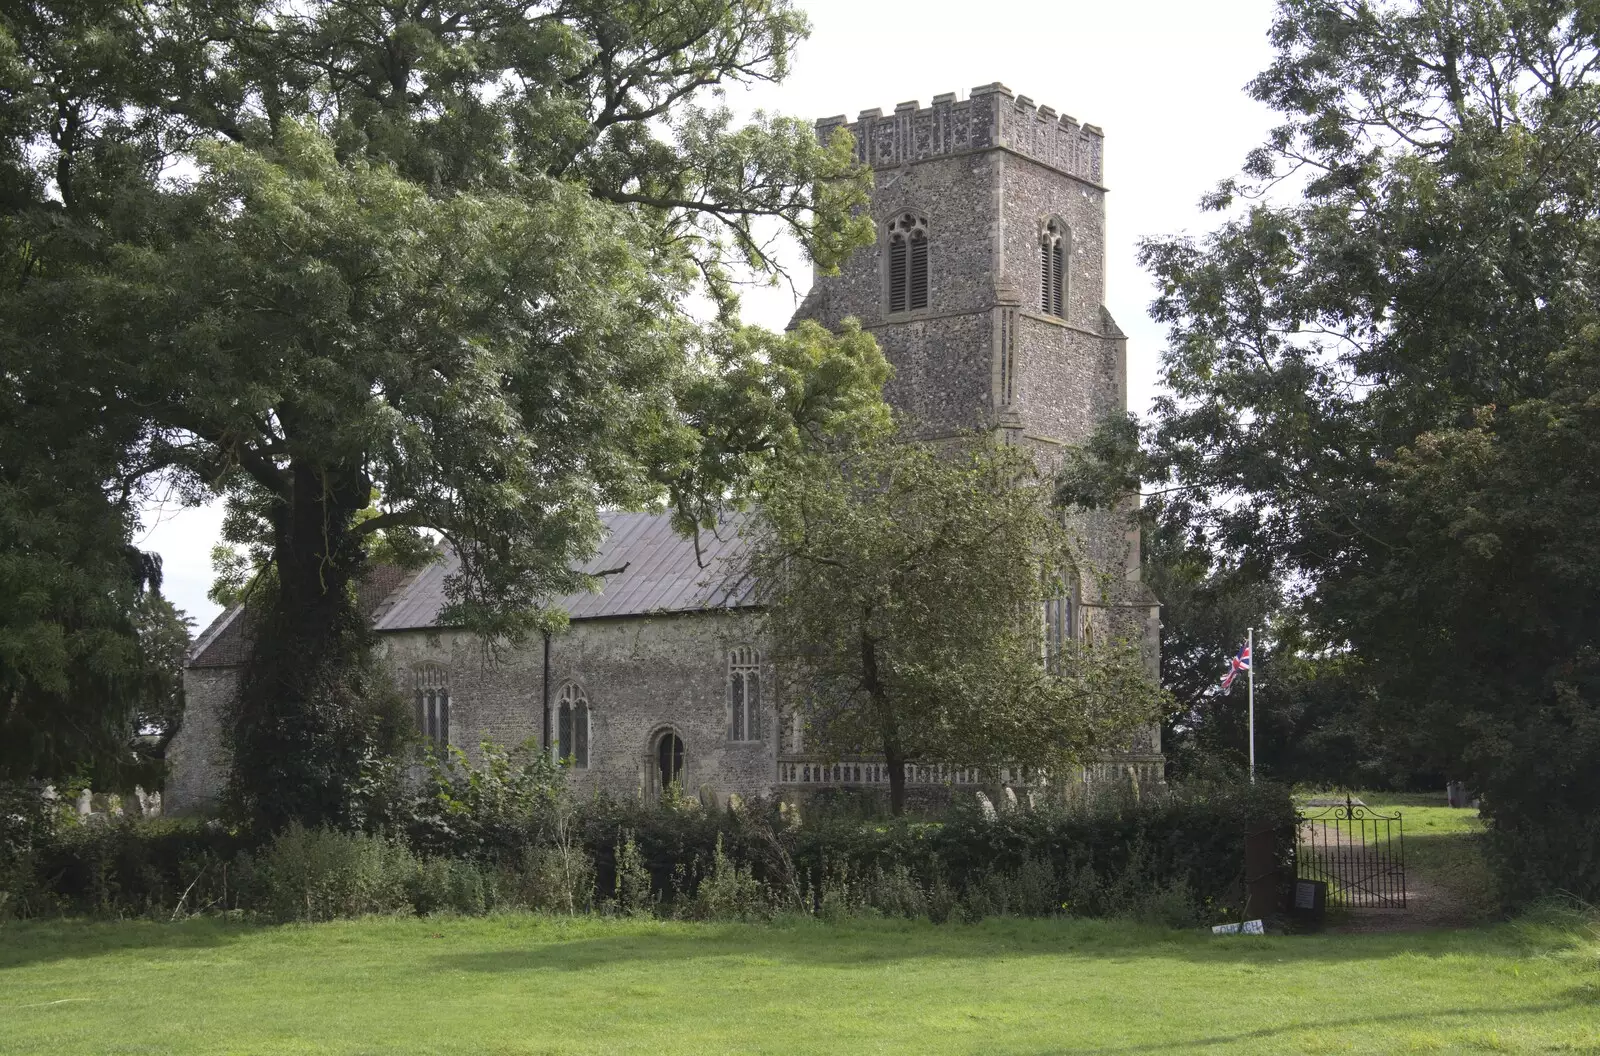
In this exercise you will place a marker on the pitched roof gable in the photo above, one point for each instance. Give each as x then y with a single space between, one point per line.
660 573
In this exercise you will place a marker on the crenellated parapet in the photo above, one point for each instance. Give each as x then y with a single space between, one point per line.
992 116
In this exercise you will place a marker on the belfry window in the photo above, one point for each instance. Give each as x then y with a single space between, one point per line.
1055 248
744 694
572 727
432 697
908 263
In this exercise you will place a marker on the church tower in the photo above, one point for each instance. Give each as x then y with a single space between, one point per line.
985 288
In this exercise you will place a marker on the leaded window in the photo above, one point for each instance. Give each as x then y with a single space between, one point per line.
432 697
908 263
744 694
1058 629
572 726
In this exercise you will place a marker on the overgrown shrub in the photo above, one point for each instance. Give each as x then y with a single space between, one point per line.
133 867
510 834
632 880
322 874
729 891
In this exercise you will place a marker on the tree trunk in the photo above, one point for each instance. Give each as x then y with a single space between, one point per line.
893 753
303 719
897 776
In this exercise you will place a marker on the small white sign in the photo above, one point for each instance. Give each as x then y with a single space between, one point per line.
1249 927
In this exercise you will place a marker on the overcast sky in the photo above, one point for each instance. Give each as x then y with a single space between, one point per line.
1163 78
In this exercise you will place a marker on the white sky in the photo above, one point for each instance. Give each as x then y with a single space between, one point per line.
1163 78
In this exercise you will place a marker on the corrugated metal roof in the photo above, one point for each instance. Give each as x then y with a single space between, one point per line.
660 573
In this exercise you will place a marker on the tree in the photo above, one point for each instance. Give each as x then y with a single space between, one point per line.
904 585
89 650
441 252
1381 373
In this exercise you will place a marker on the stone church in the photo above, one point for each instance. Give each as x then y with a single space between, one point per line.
986 291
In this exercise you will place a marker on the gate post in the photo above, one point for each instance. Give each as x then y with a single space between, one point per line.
1260 875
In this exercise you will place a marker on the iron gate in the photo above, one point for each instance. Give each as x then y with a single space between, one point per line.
1360 853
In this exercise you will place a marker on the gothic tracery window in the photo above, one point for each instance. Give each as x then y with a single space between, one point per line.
572 726
908 263
432 696
744 694
1055 248
1058 629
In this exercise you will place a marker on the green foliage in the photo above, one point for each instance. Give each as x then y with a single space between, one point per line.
320 874
1382 386
1156 860
907 580
444 254
728 891
632 884
130 867
493 813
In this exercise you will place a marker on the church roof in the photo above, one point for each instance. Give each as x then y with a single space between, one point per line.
660 572
226 642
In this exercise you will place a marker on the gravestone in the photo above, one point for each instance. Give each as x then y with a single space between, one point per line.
986 807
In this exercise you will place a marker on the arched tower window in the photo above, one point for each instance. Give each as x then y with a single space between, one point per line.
432 696
572 726
1055 248
744 694
908 263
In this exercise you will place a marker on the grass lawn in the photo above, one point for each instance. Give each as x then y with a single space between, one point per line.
526 984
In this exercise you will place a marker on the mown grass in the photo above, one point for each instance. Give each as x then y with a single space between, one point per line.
526 984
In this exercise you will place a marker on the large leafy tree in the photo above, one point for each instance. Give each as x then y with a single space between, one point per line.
906 583
448 253
1382 385
89 650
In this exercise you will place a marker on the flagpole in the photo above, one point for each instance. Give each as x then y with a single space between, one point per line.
1250 644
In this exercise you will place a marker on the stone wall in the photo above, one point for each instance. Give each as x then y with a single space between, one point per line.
640 675
197 757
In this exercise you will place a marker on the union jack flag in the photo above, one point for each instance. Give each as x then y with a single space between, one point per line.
1237 664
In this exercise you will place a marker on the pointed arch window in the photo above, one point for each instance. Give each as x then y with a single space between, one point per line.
1055 250
1058 626
432 696
908 276
573 726
744 694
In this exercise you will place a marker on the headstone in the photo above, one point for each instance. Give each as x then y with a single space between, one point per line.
986 807
1008 800
1455 794
735 801
85 803
708 797
144 804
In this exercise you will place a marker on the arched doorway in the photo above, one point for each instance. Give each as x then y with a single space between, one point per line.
667 760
